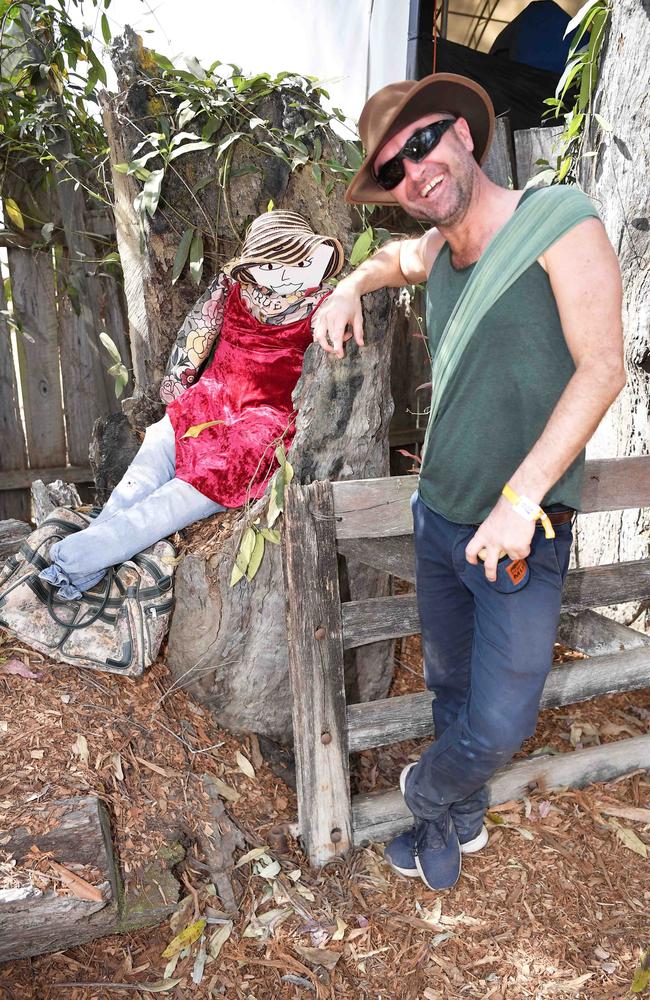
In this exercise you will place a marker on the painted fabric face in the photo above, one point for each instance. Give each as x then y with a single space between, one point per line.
294 279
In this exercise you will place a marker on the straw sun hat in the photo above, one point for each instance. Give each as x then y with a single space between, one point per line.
280 237
394 107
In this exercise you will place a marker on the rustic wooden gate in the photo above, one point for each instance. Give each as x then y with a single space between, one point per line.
370 520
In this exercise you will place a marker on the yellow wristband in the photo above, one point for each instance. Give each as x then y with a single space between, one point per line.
528 509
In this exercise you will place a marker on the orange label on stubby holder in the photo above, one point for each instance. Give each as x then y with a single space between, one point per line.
517 570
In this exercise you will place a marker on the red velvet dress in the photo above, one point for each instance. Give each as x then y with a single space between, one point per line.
247 387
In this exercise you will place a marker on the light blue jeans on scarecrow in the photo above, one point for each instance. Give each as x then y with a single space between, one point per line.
148 504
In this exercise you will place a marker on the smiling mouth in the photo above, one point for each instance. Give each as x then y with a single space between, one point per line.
432 185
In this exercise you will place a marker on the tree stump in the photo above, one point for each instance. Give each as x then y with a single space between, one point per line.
228 645
616 180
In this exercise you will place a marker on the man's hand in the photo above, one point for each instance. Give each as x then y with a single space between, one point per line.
339 312
503 530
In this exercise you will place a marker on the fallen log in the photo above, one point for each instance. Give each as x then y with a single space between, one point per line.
72 833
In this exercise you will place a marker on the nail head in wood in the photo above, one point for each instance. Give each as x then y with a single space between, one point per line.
320 632
336 836
326 738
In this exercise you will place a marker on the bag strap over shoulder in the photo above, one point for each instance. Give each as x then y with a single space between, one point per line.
537 223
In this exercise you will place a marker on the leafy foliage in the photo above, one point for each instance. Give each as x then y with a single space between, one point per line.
573 101
220 109
251 548
49 74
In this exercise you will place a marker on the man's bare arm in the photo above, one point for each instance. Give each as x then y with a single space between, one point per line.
399 263
586 282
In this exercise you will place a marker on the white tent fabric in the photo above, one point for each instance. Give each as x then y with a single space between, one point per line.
329 39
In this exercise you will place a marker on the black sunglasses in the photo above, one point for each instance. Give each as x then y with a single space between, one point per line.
416 147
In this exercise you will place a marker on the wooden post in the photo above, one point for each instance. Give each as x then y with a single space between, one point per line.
500 162
32 287
316 671
532 144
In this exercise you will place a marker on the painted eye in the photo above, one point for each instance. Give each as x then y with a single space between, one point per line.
268 267
305 263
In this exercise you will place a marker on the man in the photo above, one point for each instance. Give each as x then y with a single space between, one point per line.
541 369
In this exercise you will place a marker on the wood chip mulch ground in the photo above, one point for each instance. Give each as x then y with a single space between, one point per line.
556 906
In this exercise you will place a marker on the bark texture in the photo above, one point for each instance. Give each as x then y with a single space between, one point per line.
617 180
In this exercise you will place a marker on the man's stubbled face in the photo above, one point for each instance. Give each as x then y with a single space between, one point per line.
439 188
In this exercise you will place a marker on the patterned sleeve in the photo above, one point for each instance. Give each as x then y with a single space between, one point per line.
195 340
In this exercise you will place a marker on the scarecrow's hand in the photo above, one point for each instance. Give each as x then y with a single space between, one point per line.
339 312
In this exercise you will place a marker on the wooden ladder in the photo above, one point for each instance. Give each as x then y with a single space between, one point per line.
370 521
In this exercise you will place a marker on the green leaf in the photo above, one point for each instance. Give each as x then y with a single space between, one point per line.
189 147
361 247
111 347
228 141
182 252
270 206
604 124
185 114
121 168
121 380
641 979
317 172
46 231
256 556
106 31
271 535
236 575
196 258
151 190
564 168
577 18
14 213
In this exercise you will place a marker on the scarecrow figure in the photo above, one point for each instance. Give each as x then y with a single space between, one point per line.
227 408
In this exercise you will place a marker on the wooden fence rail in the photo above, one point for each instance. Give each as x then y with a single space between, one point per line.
371 521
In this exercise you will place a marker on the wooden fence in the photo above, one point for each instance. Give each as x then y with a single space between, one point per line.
54 381
370 521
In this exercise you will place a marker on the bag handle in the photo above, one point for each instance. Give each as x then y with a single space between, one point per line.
89 621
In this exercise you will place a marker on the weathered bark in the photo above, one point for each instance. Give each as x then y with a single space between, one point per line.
12 535
113 446
229 644
47 496
77 832
616 178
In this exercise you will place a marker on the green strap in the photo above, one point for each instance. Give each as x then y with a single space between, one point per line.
539 222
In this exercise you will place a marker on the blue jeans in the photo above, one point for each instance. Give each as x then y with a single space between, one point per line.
147 504
486 652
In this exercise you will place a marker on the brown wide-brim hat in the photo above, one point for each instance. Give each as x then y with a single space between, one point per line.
394 107
280 237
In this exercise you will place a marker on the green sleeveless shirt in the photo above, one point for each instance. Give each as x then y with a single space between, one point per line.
501 396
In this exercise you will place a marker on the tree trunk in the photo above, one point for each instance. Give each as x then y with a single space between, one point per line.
616 178
229 644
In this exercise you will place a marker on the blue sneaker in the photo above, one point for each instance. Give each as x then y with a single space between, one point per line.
400 854
467 816
437 852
